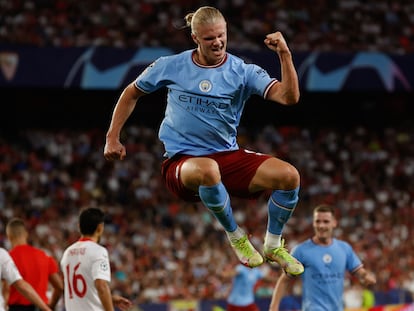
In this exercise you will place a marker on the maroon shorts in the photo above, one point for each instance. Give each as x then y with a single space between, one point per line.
250 307
237 169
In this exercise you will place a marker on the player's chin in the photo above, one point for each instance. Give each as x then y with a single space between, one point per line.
219 53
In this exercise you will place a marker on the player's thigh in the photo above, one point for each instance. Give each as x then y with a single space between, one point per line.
275 173
199 171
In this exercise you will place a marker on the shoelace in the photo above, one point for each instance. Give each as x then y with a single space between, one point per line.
243 247
282 252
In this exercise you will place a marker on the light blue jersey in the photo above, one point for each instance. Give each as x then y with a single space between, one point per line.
204 103
242 292
325 268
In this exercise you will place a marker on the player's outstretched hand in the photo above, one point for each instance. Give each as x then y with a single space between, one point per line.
368 279
114 150
121 302
276 42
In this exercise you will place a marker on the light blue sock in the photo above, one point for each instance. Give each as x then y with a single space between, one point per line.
217 199
280 206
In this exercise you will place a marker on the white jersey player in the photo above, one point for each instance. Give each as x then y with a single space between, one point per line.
10 273
86 269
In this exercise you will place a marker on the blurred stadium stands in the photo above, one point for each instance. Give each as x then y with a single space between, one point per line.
353 149
324 25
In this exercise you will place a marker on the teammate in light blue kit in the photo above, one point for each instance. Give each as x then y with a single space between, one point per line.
326 261
207 90
242 295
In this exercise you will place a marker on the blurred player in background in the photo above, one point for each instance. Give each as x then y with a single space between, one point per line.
10 276
244 281
86 268
207 91
38 268
326 261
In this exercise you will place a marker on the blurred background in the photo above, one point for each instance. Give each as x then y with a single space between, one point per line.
63 65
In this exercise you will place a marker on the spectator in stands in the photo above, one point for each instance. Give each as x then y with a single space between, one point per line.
39 269
47 175
326 261
310 25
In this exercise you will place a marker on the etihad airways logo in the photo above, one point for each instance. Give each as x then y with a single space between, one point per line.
205 105
202 102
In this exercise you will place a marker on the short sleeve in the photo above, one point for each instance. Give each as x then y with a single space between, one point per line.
101 268
259 81
152 78
9 271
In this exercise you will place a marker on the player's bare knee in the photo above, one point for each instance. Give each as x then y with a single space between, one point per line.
200 171
291 177
209 174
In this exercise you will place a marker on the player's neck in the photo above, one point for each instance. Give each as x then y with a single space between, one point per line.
322 241
200 59
18 241
88 238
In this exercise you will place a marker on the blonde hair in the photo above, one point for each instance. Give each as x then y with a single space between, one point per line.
204 15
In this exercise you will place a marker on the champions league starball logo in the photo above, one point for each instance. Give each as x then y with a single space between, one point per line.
363 71
317 72
104 266
92 71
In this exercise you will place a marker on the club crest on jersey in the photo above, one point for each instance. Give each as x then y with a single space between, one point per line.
205 86
327 258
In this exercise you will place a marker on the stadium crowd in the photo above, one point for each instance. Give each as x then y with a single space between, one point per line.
317 25
162 249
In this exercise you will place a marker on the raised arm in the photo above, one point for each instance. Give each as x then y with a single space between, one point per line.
286 91
114 150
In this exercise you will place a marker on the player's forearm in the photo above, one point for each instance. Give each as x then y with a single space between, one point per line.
123 109
275 301
104 294
27 291
365 277
121 303
5 290
55 298
289 82
278 293
56 280
107 302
